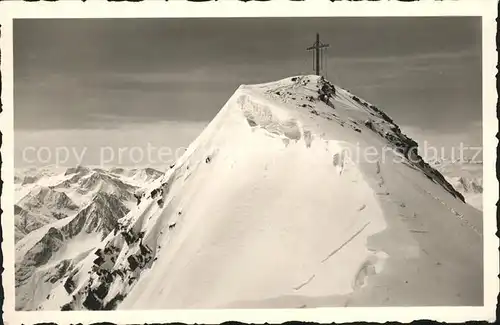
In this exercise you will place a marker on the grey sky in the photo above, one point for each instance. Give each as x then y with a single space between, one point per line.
107 73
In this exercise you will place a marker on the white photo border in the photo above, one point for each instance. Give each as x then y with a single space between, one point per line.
487 9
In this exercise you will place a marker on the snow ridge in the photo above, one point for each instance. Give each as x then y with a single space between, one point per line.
271 186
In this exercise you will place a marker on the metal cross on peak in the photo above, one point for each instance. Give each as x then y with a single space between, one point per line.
317 47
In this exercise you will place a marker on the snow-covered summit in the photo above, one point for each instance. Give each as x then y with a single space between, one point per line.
297 194
310 105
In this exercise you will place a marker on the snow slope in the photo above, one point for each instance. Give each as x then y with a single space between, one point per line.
274 206
136 176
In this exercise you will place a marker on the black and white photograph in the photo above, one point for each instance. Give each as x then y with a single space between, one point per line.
249 163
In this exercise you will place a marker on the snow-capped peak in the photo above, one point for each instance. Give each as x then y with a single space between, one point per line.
270 206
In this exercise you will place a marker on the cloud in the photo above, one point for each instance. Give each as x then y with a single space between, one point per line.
469 138
123 145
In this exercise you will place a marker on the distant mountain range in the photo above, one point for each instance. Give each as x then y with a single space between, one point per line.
466 176
63 214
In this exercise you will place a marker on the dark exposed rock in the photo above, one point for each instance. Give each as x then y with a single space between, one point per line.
69 285
59 215
102 290
138 198
154 193
91 302
113 303
132 262
129 237
144 249
99 261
